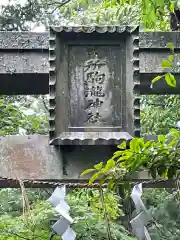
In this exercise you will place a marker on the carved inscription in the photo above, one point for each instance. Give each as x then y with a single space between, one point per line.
97 95
95 81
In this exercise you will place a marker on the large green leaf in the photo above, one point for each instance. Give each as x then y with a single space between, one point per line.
166 64
110 164
170 80
87 171
170 58
98 166
95 177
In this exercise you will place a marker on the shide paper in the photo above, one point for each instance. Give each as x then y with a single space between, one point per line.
58 195
62 226
140 222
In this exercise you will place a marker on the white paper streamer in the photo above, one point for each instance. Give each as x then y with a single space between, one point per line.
62 207
140 222
69 234
58 195
62 226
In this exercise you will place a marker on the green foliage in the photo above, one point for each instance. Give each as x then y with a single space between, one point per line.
170 79
89 221
160 158
14 119
164 112
168 64
11 118
15 17
101 12
32 225
11 200
86 209
164 207
155 14
150 14
95 204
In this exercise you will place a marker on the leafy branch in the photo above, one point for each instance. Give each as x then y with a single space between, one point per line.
168 64
160 158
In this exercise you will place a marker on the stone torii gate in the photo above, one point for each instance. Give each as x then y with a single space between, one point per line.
24 69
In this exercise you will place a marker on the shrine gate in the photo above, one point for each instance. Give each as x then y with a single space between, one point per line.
65 153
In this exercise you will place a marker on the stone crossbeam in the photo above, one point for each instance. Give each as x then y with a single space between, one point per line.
24 63
32 158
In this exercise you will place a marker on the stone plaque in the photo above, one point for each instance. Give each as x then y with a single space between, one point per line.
94 77
96 83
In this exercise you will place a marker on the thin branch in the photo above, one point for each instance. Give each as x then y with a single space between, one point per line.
44 103
52 235
58 5
19 236
105 214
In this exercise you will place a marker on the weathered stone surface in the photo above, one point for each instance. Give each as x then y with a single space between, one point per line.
97 98
158 40
16 76
25 62
31 157
24 40
92 84
150 62
30 40
28 158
